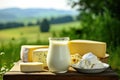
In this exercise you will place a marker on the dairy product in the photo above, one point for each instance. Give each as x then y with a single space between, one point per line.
84 46
40 55
98 65
31 66
84 64
90 58
75 58
27 50
58 58
105 60
90 61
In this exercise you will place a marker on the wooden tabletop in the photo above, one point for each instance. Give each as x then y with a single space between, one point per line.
16 74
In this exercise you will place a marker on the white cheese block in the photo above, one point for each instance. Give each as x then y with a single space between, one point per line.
40 55
31 66
90 61
84 46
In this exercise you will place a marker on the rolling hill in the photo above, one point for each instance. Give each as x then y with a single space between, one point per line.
17 14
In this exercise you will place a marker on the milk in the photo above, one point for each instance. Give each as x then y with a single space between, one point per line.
58 58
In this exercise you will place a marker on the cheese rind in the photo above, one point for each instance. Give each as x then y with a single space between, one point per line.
31 66
84 46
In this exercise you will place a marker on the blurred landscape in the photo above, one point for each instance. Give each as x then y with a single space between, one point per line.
100 22
22 26
31 14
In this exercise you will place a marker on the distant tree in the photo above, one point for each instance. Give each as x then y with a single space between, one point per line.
2 26
63 19
45 25
100 20
38 22
11 25
97 6
30 24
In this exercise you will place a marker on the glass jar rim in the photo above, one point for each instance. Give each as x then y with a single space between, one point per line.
59 38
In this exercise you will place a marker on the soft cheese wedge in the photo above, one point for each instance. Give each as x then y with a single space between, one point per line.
84 46
31 66
27 50
40 55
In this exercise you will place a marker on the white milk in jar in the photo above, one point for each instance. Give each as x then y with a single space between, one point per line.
58 58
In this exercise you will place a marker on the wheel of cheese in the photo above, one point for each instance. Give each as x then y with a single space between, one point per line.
84 46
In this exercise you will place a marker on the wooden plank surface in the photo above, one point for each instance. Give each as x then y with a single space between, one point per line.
16 74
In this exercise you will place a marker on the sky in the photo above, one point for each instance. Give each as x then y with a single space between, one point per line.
55 4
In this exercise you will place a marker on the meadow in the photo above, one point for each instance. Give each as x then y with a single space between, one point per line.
12 39
32 33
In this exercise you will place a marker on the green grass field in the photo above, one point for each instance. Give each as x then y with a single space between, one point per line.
32 33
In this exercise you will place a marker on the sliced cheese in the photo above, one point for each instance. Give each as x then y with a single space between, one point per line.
31 66
27 50
75 58
40 55
84 46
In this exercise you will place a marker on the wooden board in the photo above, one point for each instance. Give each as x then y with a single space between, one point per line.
16 74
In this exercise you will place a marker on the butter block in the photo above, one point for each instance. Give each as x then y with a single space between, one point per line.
40 55
84 46
31 66
27 50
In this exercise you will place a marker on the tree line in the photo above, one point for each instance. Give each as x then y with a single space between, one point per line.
42 22
11 25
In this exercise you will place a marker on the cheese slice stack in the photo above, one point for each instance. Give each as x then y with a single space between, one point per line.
27 50
84 46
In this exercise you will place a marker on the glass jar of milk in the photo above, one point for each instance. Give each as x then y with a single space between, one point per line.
58 58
